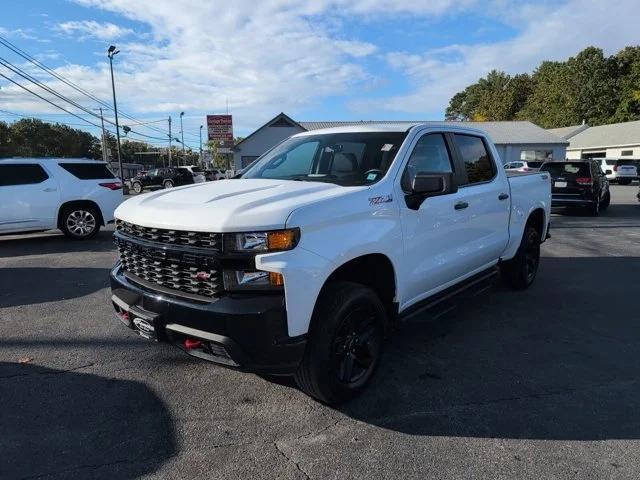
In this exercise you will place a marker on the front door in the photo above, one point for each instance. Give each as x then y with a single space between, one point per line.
433 234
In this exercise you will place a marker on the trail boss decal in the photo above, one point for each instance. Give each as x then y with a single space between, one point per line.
381 199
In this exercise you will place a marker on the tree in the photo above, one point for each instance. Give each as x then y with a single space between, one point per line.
217 158
588 87
5 147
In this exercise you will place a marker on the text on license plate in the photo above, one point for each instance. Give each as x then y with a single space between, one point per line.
560 184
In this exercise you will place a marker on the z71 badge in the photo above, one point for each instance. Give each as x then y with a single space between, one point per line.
380 199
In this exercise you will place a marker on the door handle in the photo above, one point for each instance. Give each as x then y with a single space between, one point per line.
461 205
49 190
503 196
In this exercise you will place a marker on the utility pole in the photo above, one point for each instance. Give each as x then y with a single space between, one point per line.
182 133
201 162
111 52
105 156
169 140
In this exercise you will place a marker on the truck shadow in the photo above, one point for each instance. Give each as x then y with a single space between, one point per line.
33 285
559 361
52 242
66 424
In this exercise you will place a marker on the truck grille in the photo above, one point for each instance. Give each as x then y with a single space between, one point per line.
171 237
180 273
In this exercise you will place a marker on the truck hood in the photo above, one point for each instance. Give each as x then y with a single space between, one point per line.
226 205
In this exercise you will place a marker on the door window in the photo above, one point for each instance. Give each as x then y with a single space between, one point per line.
477 163
430 155
25 174
88 171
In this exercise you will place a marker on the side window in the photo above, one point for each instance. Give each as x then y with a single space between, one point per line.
25 174
477 163
429 155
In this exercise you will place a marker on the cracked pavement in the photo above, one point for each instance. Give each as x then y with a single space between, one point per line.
535 384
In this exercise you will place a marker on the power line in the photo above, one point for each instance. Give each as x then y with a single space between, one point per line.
71 84
26 76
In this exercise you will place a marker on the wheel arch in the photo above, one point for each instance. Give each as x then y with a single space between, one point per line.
374 270
537 219
78 204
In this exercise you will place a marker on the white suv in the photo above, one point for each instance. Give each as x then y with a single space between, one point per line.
621 171
523 166
76 196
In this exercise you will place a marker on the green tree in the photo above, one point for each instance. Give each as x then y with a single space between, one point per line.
5 147
628 70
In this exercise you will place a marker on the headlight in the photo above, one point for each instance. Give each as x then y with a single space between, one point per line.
235 280
274 241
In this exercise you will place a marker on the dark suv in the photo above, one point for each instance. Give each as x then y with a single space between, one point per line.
578 183
167 177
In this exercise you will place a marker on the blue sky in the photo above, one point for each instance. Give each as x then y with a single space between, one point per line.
314 60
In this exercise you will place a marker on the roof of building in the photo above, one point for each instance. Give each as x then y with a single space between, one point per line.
505 133
568 132
615 134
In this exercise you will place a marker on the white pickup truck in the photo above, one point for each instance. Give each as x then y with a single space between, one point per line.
301 266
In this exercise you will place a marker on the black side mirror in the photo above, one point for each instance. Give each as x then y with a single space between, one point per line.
608 172
427 184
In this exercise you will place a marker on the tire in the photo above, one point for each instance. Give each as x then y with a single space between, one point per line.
345 343
605 201
520 272
80 223
137 187
167 184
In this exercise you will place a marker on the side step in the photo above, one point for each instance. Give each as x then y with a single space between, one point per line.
448 299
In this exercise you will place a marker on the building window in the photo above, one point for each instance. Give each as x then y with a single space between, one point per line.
626 153
246 161
590 155
536 155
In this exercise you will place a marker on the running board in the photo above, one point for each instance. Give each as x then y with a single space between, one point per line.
448 299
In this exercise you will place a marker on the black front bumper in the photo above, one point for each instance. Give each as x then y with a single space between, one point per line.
244 331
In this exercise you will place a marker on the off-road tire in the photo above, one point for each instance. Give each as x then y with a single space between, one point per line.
324 366
520 272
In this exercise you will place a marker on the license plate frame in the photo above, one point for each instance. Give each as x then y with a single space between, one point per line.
560 184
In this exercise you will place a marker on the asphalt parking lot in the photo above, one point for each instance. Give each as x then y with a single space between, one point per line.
535 384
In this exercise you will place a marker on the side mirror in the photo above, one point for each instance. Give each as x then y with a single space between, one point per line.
427 184
608 172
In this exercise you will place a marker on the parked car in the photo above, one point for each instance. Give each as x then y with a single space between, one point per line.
578 183
621 171
167 177
523 166
77 196
214 174
196 172
301 266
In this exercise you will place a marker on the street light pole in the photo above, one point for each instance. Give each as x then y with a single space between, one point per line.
169 140
182 133
201 162
111 52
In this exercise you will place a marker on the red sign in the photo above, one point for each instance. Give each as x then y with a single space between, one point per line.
220 129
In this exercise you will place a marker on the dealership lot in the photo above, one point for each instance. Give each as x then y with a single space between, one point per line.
535 384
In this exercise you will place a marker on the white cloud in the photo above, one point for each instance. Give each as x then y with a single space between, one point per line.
91 28
547 32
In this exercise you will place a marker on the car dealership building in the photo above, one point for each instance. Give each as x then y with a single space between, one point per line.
514 140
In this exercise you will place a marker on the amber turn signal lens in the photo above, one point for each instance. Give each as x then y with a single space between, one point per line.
276 279
281 240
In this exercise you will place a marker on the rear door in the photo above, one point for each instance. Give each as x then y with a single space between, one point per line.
29 197
483 203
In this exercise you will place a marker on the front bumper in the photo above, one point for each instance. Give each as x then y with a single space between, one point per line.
244 331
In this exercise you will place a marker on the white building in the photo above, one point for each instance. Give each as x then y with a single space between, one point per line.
617 140
514 140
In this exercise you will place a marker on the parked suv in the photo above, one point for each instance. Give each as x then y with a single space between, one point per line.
76 196
622 171
578 183
303 265
523 166
167 177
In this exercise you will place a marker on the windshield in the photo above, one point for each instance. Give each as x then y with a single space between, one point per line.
347 159
567 169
